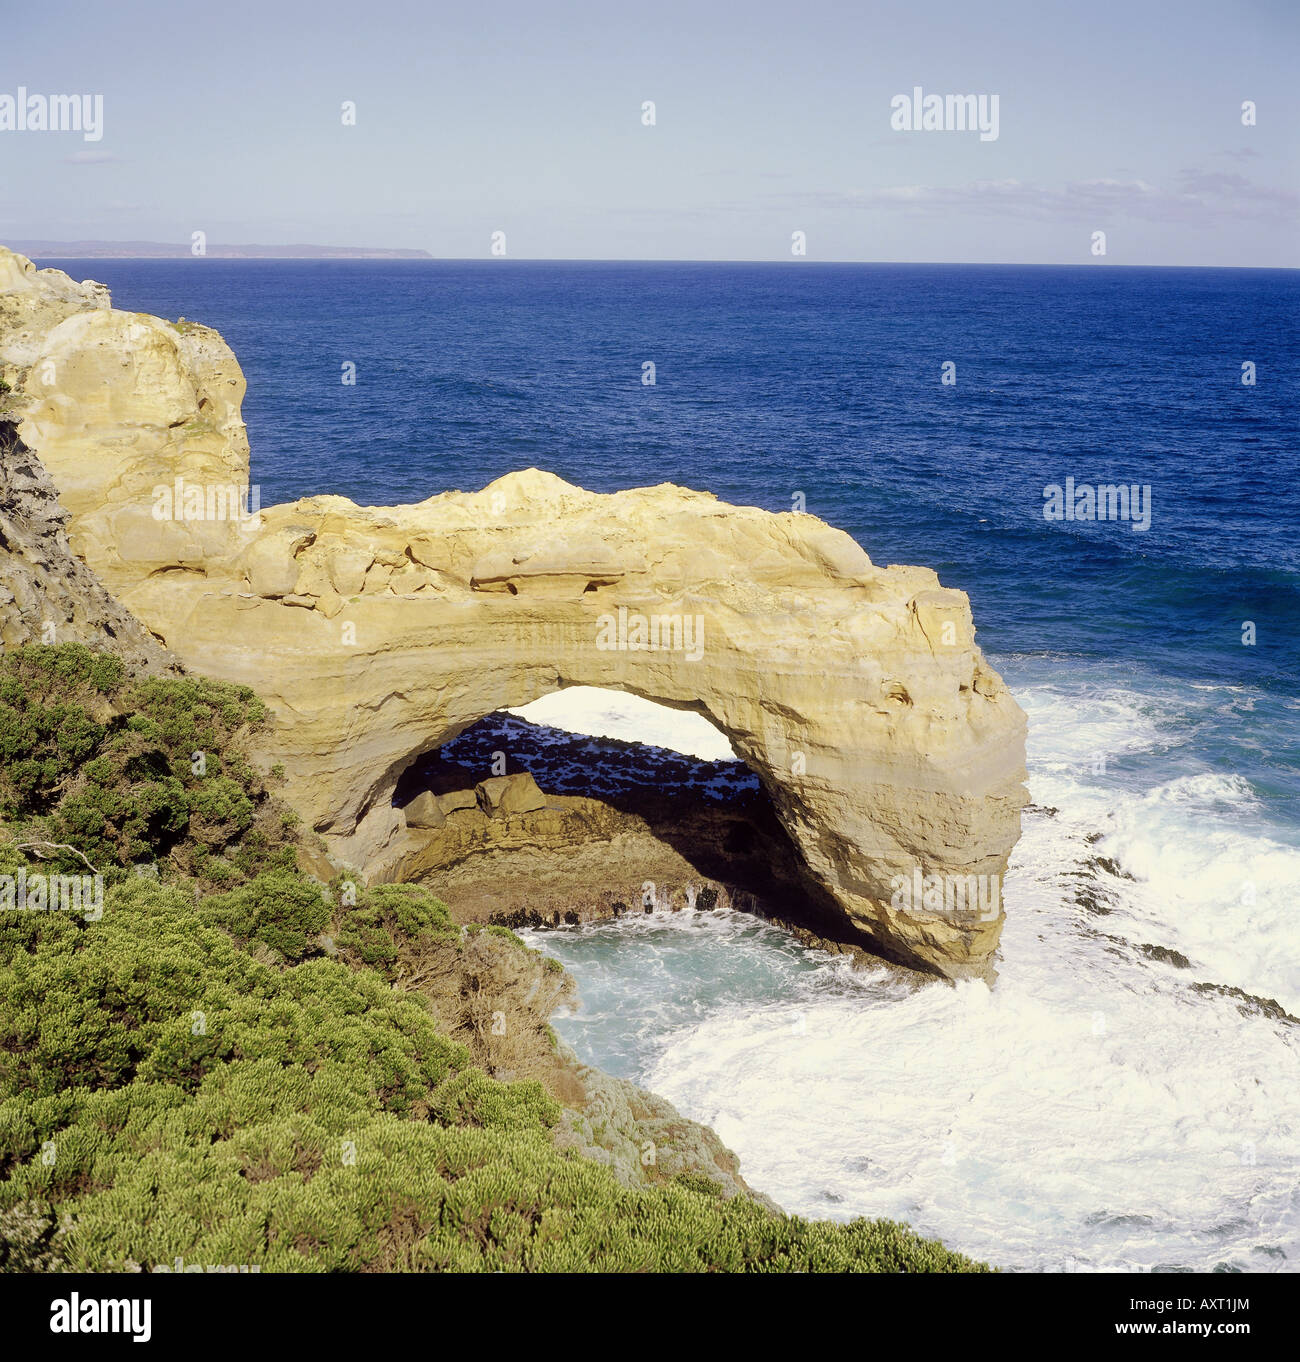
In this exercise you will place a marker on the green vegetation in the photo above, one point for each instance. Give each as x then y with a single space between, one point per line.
235 1065
501 934
280 909
131 772
392 927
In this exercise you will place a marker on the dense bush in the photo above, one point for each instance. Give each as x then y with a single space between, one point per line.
391 924
194 1077
280 909
46 733
131 772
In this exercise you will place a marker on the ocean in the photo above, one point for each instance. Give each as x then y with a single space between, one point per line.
1127 1096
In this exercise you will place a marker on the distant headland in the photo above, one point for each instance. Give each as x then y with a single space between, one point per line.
167 250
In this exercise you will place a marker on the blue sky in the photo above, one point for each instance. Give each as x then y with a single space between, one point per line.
770 118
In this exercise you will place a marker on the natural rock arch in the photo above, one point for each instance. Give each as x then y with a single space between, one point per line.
890 748
378 634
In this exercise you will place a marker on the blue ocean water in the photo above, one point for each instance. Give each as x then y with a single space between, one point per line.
825 380
1102 1107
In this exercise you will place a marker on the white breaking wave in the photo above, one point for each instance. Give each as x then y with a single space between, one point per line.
1210 878
601 713
1224 895
1101 1129
1095 1110
1071 729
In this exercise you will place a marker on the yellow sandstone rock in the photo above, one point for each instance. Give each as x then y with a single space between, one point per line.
857 693
509 794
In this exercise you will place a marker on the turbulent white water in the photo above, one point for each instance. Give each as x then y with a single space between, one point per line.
1095 1110
609 714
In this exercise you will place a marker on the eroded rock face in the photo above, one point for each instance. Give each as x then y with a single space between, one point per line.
496 998
892 751
47 593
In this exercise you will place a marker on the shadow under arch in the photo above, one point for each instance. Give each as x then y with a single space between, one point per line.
669 828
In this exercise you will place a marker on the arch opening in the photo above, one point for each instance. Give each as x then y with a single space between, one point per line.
591 803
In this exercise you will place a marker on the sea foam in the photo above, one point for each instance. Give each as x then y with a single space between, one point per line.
1098 1108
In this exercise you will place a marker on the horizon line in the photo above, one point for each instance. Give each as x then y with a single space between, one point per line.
384 259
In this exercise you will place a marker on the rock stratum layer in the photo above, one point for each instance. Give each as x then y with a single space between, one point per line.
892 751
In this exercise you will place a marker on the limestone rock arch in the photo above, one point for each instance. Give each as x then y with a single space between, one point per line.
892 751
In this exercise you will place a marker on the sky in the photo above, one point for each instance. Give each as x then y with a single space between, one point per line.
770 118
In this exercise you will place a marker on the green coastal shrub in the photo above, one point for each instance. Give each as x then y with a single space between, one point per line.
46 731
156 771
389 924
281 909
192 1077
474 1099
501 933
31 1240
163 1094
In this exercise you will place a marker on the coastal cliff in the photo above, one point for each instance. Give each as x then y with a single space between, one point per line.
47 592
376 1020
892 752
50 595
